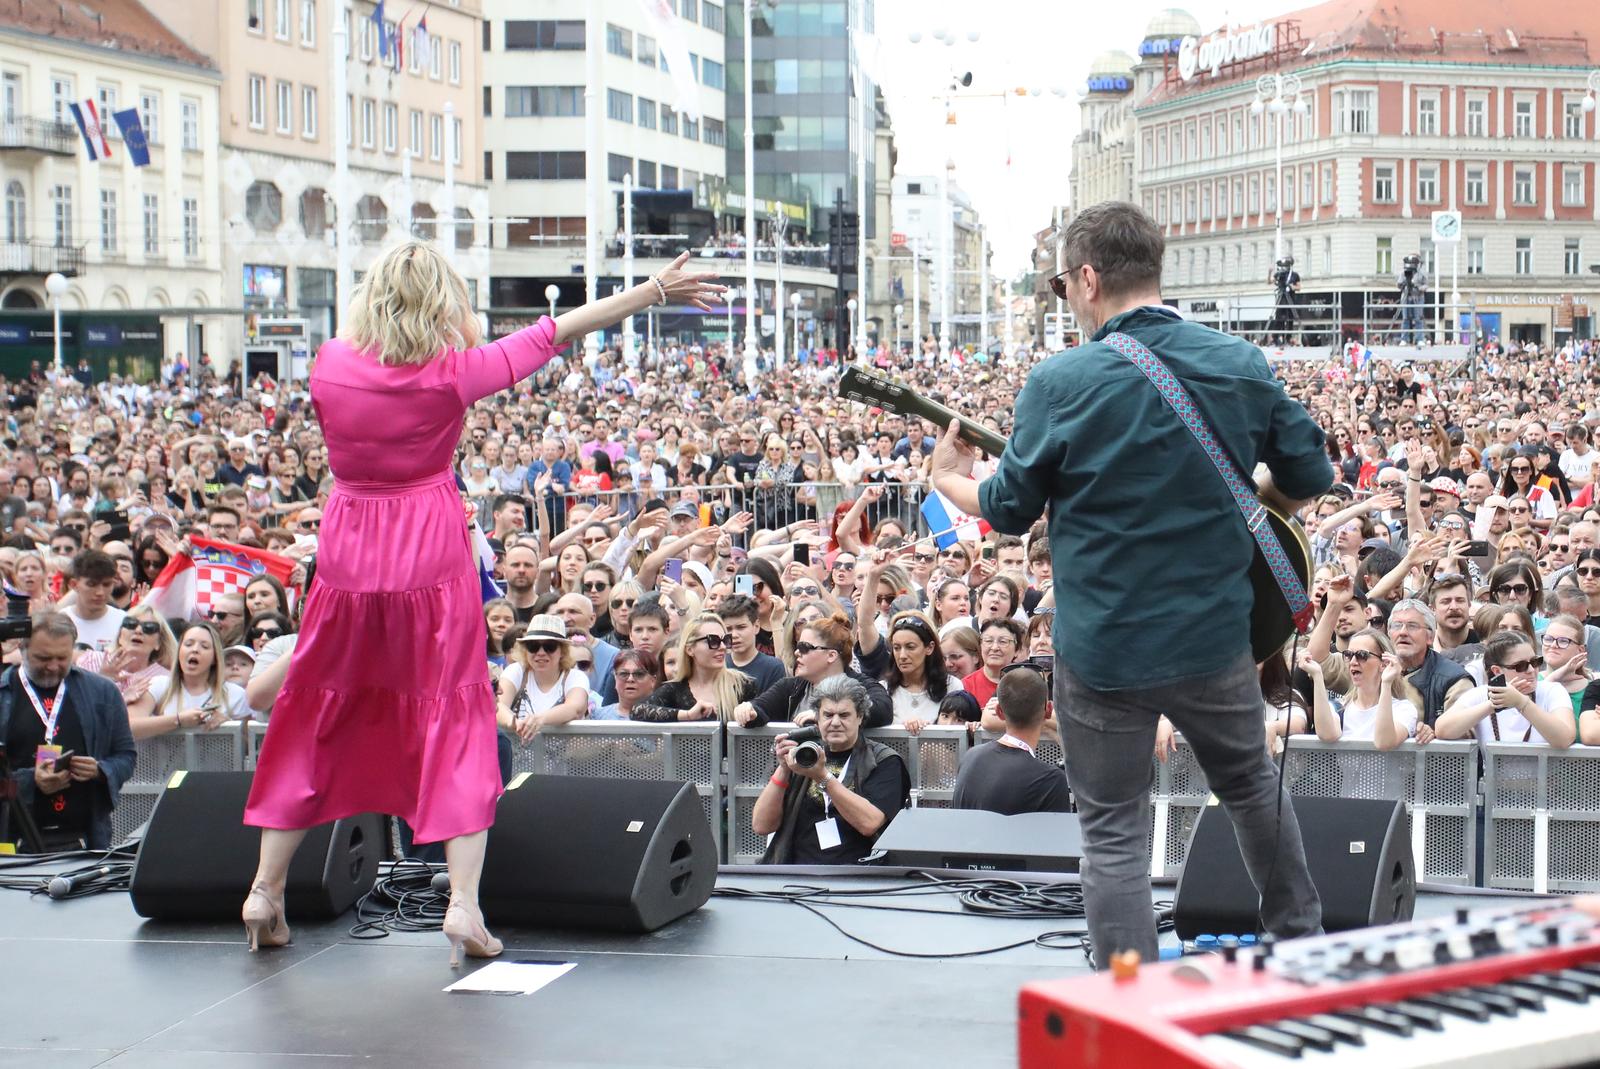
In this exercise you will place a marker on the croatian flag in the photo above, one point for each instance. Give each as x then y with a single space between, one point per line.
484 558
189 585
421 43
949 524
94 138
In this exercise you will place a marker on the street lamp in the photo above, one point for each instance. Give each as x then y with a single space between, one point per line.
731 296
1278 94
56 285
551 292
899 310
850 323
794 305
272 289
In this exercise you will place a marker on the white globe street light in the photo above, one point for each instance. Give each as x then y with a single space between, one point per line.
272 289
551 292
56 285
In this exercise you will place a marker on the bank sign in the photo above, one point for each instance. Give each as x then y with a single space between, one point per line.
1233 45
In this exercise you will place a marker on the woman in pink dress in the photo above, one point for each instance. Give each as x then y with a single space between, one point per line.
387 705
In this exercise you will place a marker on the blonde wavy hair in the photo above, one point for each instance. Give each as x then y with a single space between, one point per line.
729 680
411 306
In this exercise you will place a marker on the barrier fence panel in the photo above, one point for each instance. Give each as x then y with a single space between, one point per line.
1542 817
159 756
255 734
632 749
1437 782
932 758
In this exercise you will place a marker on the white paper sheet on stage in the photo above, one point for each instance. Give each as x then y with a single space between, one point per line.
512 977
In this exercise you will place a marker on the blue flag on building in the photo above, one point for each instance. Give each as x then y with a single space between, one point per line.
383 29
133 136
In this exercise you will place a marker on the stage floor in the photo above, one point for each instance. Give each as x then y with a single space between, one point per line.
740 983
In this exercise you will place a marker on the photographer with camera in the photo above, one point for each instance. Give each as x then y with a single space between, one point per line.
834 790
1413 287
1286 286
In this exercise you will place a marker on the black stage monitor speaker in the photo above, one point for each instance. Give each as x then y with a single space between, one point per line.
615 854
198 857
1358 850
982 841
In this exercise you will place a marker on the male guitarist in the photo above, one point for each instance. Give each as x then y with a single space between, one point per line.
1151 554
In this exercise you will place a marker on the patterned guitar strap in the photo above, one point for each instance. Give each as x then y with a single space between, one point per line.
1244 496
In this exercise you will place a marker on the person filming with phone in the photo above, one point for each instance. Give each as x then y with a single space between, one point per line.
1515 705
66 737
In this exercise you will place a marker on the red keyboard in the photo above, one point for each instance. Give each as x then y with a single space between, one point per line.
1497 989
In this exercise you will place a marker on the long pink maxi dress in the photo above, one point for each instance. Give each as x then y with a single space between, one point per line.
387 707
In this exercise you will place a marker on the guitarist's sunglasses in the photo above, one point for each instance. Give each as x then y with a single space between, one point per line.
1058 283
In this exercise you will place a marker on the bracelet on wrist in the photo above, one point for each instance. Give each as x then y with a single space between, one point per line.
660 289
779 780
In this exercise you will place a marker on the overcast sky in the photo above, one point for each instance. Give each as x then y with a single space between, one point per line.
1022 42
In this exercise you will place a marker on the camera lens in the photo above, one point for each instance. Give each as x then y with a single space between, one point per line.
807 754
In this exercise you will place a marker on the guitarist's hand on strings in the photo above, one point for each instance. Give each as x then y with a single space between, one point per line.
952 456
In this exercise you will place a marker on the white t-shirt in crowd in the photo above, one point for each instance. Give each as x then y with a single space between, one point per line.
917 705
1360 722
238 705
1513 725
266 656
1579 468
534 700
98 634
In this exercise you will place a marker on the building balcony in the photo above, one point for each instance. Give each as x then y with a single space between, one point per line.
38 135
36 258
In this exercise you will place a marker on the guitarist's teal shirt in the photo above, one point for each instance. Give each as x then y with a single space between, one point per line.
1149 551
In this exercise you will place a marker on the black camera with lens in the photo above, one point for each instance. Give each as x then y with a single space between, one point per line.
1283 269
18 621
810 750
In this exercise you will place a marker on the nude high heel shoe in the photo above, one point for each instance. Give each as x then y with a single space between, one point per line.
463 926
264 921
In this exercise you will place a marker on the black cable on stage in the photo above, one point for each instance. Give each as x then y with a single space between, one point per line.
107 871
403 900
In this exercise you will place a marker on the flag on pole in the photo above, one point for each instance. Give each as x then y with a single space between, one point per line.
189 585
949 523
674 48
421 43
94 138
133 136
484 557
400 47
382 24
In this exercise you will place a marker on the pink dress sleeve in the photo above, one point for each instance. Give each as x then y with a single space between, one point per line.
499 365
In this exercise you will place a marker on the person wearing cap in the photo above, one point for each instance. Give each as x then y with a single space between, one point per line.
541 685
237 664
240 464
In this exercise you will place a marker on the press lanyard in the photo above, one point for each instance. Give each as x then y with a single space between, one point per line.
47 719
1012 740
844 769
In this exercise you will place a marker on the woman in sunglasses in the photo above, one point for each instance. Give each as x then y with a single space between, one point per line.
1567 658
703 687
636 674
143 651
1517 582
1380 706
194 693
1515 705
1587 571
1523 480
541 686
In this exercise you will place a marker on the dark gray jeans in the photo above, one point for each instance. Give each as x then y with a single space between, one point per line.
1109 737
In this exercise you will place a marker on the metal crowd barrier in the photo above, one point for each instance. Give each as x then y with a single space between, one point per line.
1436 781
1541 817
630 749
159 756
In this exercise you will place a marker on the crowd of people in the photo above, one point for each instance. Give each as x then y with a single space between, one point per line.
675 544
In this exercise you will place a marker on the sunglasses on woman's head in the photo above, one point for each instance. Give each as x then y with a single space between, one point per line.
148 627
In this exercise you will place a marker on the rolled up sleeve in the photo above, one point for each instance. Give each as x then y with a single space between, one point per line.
1296 451
1016 495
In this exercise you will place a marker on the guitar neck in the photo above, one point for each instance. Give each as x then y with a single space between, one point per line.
869 388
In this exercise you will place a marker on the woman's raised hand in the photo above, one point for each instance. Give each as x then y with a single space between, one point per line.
691 287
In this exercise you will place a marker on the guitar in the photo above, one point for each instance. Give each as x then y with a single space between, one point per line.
1271 623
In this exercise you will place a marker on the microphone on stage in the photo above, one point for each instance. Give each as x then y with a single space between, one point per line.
62 886
440 883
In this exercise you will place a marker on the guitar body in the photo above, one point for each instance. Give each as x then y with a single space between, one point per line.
1270 622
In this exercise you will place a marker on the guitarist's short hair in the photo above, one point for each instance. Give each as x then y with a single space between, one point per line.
1123 244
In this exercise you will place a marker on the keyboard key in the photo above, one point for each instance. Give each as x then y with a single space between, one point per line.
1551 985
1526 996
1377 1017
1455 1003
1420 1015
1581 978
1342 1030
1270 1041
1312 1036
1497 1001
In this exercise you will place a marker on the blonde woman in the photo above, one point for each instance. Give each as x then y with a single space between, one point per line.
542 685
1380 706
193 693
387 705
144 651
704 687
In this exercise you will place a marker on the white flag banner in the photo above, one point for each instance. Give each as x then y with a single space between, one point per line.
674 48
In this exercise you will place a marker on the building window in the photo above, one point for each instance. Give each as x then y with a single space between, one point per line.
280 26
1477 116
1475 190
152 225
108 222
61 96
1288 190
647 174
560 101
1354 111
61 208
1272 193
191 227
285 102
1327 256
544 166
1428 183
689 9
1522 118
1308 187
691 128
644 47
1430 258
1522 186
1255 194
563 35
1205 201
669 177
1327 182
1383 183
415 142
455 143
619 105
618 167
619 42
150 116
1474 256
255 16
1223 209
308 23
391 127
1523 263
716 132
1385 264
435 60
16 212
1572 185
263 206
1237 200
488 166
369 123
1572 120
647 113
455 62
669 120
435 137
308 112
189 124
711 75
1428 115
711 17
1572 256
258 102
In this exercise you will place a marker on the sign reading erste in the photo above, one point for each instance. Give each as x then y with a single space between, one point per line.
1230 46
